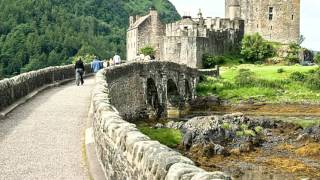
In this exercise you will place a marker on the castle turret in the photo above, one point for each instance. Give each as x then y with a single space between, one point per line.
201 20
234 9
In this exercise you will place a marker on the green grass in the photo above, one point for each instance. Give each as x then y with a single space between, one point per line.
168 137
263 71
269 85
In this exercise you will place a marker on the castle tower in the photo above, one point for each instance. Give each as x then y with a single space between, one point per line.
234 9
274 20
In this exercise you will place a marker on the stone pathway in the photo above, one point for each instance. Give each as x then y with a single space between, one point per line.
43 139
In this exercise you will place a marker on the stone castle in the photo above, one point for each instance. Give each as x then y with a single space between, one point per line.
187 40
275 20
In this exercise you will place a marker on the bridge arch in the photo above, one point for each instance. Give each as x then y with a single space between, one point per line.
173 95
153 100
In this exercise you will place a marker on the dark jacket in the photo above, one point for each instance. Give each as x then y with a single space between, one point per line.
79 65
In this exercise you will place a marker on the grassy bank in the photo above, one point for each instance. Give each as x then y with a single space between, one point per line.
271 84
166 136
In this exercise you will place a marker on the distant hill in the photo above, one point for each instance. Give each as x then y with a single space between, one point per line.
39 33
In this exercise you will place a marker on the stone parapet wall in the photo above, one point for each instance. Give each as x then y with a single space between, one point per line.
126 153
12 89
210 72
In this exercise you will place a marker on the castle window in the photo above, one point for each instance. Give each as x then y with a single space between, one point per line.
257 25
292 17
271 28
270 13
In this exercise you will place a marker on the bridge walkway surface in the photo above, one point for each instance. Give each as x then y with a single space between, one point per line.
44 138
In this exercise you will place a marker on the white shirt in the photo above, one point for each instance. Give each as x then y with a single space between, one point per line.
117 59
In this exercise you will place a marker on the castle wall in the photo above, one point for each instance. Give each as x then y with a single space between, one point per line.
132 43
148 32
180 50
186 44
184 41
284 26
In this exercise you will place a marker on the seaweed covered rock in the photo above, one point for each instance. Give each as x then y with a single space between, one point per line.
216 135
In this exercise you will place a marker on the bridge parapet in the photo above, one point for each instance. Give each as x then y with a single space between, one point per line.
124 152
12 89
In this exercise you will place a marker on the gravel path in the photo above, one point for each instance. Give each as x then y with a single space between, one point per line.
43 138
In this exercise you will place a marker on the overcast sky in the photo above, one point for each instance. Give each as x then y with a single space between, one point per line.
310 16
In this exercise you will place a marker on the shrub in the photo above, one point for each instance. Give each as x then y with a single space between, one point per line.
280 70
255 48
245 77
317 58
239 133
311 71
249 132
147 50
313 80
293 54
258 129
209 61
226 126
297 76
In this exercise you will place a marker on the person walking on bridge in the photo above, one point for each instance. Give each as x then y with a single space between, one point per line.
79 67
96 64
116 59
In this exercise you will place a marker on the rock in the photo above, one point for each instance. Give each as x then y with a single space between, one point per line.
246 147
206 129
220 150
187 140
211 149
201 102
302 137
174 125
159 126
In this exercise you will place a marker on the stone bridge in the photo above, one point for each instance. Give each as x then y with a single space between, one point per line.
151 87
43 138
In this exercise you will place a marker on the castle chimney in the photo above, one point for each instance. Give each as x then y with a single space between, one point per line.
131 20
234 9
201 20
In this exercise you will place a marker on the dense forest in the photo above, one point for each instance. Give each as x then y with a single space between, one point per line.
40 33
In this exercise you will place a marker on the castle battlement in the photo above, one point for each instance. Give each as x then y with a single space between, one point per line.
192 27
186 40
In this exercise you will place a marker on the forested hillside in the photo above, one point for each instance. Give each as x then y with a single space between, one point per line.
39 33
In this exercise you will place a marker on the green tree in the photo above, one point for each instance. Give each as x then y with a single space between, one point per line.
254 48
148 50
39 33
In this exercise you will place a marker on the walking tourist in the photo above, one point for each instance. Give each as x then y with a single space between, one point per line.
96 64
79 67
116 59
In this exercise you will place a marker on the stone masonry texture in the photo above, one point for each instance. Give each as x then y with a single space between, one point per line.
124 152
14 88
275 20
